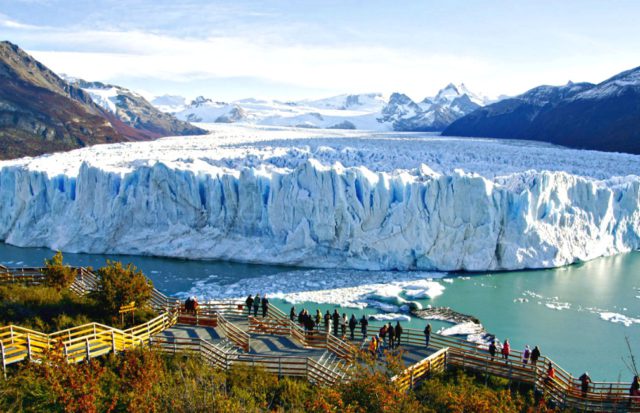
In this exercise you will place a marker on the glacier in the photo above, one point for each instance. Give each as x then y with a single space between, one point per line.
329 199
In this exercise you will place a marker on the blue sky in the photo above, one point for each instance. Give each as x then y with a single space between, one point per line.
296 49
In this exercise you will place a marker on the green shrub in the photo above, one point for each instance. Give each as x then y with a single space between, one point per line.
118 286
58 275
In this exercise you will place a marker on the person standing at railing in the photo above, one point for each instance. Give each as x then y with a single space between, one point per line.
343 325
634 390
398 333
525 356
292 314
352 326
336 322
427 334
265 306
585 380
249 303
383 334
318 318
363 326
551 375
327 321
493 348
392 335
256 305
535 355
506 349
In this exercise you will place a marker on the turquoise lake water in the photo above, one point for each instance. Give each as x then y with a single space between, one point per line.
561 310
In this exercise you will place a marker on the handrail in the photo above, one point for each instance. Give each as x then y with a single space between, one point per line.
239 337
78 343
435 362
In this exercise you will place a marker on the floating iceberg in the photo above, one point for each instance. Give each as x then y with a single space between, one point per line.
345 200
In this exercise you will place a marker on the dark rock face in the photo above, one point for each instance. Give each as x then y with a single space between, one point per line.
137 112
602 117
42 113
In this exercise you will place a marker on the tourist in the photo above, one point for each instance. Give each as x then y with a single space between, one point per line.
392 335
525 356
188 305
373 347
256 305
249 303
265 306
535 355
584 383
363 326
318 318
327 320
380 351
427 334
343 325
551 375
383 334
352 326
492 349
309 325
634 390
292 314
336 322
195 304
301 315
398 334
506 349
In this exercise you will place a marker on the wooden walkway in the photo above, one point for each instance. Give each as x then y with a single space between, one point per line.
225 336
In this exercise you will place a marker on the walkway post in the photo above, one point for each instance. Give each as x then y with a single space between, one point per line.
88 349
29 346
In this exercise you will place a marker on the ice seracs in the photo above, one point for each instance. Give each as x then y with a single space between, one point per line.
328 199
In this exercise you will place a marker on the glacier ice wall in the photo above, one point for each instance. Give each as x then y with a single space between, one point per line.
322 216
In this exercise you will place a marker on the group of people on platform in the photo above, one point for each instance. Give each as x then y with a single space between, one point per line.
254 303
390 336
504 349
339 324
191 305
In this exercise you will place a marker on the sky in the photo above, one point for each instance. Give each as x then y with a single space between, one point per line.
290 50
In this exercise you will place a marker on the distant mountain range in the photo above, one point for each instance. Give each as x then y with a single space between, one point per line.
603 117
361 111
40 112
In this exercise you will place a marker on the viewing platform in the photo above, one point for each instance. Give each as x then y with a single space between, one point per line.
225 335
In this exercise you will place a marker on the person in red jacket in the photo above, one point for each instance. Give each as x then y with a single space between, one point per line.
506 349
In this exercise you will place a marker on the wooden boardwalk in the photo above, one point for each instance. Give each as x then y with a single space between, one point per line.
224 335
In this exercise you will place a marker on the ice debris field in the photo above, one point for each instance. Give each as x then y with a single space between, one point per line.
325 198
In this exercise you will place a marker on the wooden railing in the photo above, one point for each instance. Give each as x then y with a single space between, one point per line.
233 333
290 366
564 390
434 363
77 343
278 323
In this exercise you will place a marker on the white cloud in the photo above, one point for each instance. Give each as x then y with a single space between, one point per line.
111 55
347 68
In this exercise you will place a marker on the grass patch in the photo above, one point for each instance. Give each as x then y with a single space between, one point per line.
48 309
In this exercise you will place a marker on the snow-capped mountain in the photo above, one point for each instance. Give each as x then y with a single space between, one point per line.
367 111
431 114
134 110
604 117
